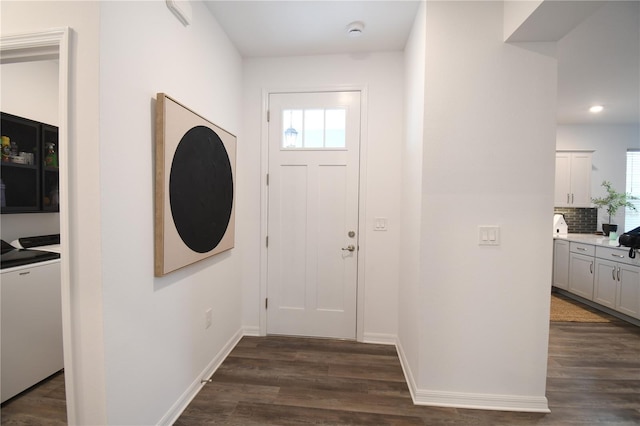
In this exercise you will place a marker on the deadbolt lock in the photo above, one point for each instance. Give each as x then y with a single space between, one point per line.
351 234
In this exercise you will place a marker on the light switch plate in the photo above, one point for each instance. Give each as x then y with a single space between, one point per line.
489 235
380 224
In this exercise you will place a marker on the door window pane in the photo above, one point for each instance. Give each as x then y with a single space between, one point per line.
335 128
292 125
314 128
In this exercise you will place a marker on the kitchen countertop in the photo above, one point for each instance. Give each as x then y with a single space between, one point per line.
596 240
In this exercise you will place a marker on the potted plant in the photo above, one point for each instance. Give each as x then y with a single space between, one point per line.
612 202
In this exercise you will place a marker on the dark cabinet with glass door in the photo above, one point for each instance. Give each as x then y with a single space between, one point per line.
50 174
29 167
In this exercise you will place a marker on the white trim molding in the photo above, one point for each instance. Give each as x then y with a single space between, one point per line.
250 330
379 338
406 369
192 391
362 208
532 404
477 401
35 46
45 45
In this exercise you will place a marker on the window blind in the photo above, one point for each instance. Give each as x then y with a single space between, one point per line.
632 218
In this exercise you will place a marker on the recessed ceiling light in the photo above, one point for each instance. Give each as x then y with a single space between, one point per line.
596 109
355 29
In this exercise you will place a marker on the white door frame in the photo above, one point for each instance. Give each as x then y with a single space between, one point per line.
47 45
264 198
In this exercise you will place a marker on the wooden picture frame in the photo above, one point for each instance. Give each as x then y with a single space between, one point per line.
194 187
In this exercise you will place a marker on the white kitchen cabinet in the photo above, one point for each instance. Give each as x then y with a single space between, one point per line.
561 264
581 269
606 284
31 326
617 281
629 290
573 179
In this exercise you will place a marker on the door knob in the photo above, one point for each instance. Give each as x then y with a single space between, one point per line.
350 247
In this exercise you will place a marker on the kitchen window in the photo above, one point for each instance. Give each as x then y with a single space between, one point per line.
632 218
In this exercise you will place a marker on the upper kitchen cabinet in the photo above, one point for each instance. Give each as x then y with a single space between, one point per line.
29 167
573 179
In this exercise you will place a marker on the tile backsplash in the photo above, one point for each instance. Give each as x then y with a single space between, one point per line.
580 220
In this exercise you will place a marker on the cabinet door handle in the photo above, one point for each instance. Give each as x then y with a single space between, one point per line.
567 198
571 198
581 248
591 267
613 273
617 255
618 273
25 273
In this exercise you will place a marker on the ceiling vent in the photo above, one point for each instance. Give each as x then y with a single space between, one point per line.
355 29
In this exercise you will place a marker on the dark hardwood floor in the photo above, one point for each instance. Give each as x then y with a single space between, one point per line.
42 404
593 379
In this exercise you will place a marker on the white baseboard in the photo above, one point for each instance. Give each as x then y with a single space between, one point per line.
250 330
406 369
379 338
185 399
533 404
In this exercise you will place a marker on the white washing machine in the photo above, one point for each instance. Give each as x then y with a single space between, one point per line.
31 317
50 243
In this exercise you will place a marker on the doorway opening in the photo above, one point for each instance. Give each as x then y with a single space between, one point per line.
51 45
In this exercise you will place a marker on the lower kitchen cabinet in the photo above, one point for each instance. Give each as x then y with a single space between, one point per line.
602 274
617 283
606 285
561 264
629 290
581 269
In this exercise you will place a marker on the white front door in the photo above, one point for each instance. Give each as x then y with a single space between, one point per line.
314 146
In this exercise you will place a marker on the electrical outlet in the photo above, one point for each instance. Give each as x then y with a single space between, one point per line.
208 318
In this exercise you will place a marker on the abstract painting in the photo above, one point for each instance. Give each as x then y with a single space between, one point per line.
194 187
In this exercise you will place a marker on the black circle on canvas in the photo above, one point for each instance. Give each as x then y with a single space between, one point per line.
201 189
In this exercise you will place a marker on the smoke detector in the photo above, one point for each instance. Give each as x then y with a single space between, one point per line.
355 29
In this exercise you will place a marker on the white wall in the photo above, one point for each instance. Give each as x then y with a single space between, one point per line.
382 74
84 211
409 285
156 344
488 159
610 144
30 90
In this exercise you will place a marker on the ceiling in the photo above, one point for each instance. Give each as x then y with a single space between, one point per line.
598 61
294 28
